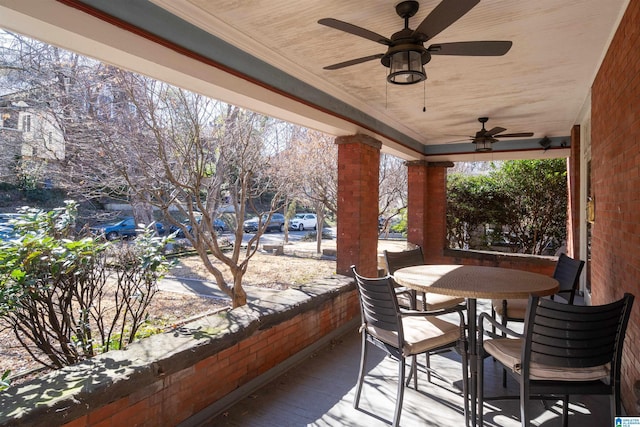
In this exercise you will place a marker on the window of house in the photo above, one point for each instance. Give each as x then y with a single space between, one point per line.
26 123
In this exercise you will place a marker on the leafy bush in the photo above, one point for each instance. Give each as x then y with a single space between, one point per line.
401 225
525 200
69 295
4 380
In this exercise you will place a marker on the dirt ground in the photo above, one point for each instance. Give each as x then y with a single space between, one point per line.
169 310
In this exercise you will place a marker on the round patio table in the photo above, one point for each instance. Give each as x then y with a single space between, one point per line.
473 282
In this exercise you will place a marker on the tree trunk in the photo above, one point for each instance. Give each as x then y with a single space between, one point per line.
239 297
319 224
142 212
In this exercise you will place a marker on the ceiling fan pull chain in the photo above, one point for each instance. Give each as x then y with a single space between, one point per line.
424 96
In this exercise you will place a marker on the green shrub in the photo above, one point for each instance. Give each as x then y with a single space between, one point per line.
4 380
69 296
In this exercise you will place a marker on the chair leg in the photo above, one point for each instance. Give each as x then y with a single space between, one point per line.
504 323
414 366
464 350
480 391
413 372
363 358
493 316
614 400
428 365
400 394
565 411
524 403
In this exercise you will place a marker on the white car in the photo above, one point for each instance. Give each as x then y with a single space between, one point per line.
303 221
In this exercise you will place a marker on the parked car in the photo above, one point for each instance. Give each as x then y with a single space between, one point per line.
276 223
125 228
218 224
8 217
7 232
303 221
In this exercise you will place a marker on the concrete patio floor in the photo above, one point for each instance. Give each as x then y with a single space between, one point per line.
319 392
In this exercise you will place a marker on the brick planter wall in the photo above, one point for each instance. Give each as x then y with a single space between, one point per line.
168 378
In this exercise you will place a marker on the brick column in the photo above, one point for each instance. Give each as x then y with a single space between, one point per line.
573 184
358 170
427 208
417 203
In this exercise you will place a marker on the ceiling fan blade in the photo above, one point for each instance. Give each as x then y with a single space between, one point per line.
479 48
515 135
353 62
495 130
445 14
355 30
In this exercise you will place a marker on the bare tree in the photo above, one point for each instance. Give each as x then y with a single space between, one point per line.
310 169
190 156
154 146
393 188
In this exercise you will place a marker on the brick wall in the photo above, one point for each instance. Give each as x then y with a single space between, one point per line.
436 238
573 205
427 208
417 190
358 171
165 379
615 181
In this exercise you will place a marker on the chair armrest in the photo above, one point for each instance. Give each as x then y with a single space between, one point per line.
497 325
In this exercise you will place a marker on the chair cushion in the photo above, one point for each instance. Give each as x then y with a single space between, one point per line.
516 308
508 351
403 300
421 334
434 301
438 302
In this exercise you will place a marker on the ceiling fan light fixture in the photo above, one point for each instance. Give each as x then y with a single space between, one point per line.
406 67
484 146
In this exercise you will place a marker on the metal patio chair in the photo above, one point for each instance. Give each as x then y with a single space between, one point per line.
565 350
567 273
404 333
397 260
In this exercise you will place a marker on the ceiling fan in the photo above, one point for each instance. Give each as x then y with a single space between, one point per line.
485 138
406 55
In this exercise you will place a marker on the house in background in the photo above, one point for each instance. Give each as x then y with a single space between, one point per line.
31 142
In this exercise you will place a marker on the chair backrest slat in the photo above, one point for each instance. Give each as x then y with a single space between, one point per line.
567 273
568 336
398 260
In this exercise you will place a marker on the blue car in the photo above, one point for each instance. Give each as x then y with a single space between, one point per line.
123 229
7 232
218 224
